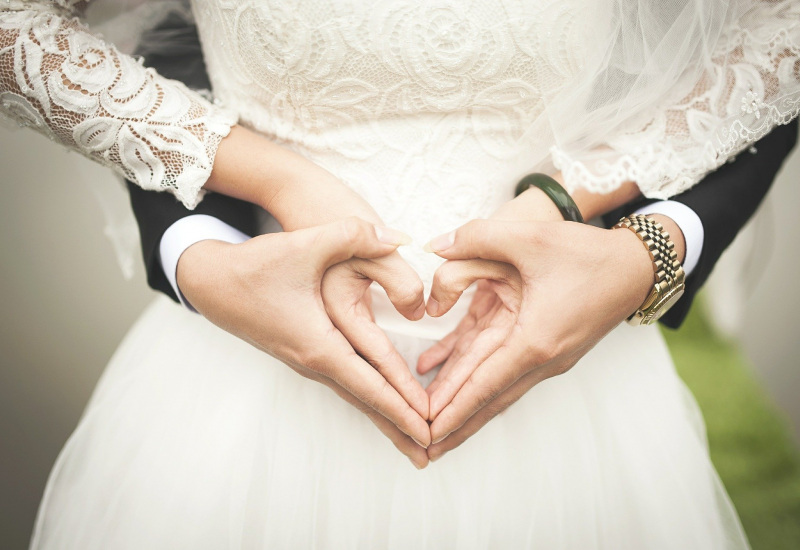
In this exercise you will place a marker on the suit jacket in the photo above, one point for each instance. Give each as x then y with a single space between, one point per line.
724 200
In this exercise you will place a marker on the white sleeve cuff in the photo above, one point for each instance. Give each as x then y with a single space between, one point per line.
690 224
184 233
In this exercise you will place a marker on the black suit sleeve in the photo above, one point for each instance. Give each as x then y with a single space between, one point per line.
725 200
155 212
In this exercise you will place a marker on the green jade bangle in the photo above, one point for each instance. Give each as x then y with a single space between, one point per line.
556 193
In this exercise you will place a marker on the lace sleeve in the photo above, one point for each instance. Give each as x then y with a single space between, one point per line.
751 85
70 85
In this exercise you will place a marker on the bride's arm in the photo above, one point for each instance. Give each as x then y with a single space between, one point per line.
80 91
746 86
61 80
58 78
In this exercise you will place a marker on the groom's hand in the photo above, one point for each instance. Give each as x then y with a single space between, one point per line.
549 292
267 291
345 293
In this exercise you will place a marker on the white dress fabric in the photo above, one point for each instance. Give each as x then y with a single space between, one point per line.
432 112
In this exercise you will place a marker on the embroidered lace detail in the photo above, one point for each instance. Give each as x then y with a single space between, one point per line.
420 107
753 86
68 84
431 111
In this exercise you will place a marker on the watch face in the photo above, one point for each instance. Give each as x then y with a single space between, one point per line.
663 305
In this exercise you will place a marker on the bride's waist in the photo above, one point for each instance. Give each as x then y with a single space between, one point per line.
473 135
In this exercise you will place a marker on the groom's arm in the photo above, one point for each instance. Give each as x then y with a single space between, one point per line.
724 201
160 214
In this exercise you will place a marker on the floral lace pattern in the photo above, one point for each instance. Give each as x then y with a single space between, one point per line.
60 79
420 107
754 85
432 111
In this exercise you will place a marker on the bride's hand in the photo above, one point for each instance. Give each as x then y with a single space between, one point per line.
267 291
550 292
297 192
345 293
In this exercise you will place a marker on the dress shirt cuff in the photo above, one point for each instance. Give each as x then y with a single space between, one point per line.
690 224
184 233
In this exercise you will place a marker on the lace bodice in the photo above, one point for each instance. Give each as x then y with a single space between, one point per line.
432 111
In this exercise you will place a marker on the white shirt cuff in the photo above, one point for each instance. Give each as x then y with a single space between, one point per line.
690 224
184 233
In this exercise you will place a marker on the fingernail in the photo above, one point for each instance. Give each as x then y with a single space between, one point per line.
440 243
433 306
420 312
391 236
418 442
417 466
435 441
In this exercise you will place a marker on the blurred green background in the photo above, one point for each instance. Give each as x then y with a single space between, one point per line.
750 442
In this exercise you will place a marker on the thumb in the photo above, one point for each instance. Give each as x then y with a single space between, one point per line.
479 239
401 283
338 241
454 276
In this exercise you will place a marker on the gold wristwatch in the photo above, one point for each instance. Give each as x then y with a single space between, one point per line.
669 275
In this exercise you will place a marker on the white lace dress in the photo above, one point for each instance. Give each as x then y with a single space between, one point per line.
432 111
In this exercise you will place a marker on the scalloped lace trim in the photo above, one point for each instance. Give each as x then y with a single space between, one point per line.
754 86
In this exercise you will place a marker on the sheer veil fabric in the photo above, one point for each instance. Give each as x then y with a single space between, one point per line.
668 90
431 111
655 91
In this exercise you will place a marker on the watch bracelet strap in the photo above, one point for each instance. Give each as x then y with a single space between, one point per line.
555 192
668 271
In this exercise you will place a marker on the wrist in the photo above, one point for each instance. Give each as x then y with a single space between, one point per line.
199 270
592 205
296 191
669 277
635 268
242 168
675 234
320 198
530 205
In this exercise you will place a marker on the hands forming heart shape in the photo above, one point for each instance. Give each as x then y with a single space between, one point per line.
547 291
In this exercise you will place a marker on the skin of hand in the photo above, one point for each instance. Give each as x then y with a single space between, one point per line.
297 192
547 292
268 292
301 194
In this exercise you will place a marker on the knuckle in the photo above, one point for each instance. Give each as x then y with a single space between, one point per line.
316 359
484 393
411 292
381 359
372 399
485 398
446 277
561 368
538 235
461 347
299 241
475 226
353 229
542 351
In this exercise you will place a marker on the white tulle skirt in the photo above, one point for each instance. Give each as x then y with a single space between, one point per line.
195 440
